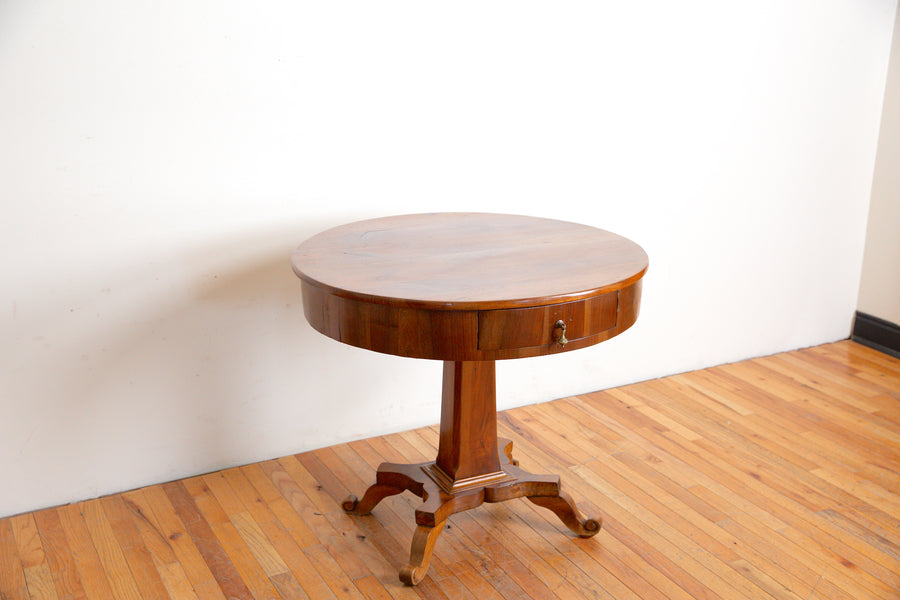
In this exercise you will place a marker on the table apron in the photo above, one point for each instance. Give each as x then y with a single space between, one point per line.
470 334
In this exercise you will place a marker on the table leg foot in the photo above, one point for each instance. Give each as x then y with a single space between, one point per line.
350 503
375 494
420 553
563 507
390 480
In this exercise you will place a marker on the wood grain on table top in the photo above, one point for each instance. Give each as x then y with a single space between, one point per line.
464 261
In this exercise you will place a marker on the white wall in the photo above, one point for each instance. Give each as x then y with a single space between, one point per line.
160 160
879 290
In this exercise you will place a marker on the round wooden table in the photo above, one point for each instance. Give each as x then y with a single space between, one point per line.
468 289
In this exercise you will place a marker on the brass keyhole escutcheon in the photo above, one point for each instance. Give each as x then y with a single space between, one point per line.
561 339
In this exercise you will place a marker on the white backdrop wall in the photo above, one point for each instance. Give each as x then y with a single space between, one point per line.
160 160
879 289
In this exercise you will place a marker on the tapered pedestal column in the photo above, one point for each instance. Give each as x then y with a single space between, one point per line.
470 468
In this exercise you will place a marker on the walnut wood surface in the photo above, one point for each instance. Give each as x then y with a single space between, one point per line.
469 286
468 444
468 261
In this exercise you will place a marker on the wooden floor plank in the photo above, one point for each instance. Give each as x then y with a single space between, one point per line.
865 364
754 555
772 478
111 556
58 553
341 585
342 557
204 539
240 549
28 540
33 560
90 568
138 557
300 567
502 568
580 561
716 474
169 543
39 580
706 564
12 576
338 542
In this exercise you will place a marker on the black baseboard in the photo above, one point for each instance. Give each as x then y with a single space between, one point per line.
876 333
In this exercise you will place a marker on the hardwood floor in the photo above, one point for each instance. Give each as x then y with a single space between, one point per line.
777 477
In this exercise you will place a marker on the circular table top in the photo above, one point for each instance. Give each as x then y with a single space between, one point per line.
468 261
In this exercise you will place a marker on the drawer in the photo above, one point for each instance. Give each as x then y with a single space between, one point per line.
536 326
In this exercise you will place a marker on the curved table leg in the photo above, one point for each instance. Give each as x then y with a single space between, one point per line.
431 516
438 504
375 494
420 553
564 508
542 490
390 479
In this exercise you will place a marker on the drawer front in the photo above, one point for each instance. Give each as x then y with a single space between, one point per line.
531 327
